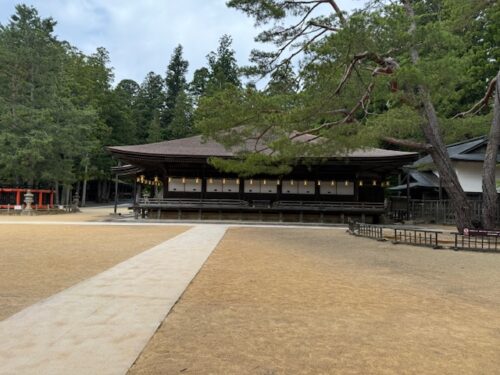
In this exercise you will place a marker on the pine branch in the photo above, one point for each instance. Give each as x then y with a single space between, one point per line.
482 103
408 143
322 26
339 13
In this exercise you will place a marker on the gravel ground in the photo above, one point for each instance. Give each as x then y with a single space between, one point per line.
283 301
86 214
38 261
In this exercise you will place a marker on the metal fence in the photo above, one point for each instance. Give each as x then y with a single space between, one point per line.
429 211
418 237
375 232
487 243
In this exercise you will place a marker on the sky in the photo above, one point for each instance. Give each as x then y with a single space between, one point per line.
141 35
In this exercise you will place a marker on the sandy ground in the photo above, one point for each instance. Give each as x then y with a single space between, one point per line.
101 213
278 301
38 261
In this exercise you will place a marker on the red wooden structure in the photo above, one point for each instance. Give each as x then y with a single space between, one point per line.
11 197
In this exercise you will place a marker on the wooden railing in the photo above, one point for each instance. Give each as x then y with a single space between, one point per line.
278 205
329 205
196 203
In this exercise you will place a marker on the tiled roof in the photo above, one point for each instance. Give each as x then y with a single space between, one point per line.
197 147
469 150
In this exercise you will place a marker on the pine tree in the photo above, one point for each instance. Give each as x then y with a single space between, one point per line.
198 86
358 73
150 100
175 83
223 69
155 130
182 121
44 125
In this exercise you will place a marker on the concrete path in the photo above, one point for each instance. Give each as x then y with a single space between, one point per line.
176 224
101 325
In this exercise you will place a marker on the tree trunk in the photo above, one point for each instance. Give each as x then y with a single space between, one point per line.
63 195
68 195
489 208
84 191
84 187
56 188
447 175
108 190
99 189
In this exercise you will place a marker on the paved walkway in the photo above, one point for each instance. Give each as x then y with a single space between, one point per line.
101 325
177 224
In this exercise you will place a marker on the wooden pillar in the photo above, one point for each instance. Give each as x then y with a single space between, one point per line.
135 190
317 190
18 197
116 193
408 195
40 199
51 198
204 182
356 188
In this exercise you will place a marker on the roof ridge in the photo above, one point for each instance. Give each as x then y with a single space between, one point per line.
467 141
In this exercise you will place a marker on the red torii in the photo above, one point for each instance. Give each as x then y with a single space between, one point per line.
10 197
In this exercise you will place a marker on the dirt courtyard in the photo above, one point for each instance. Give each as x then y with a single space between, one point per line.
315 301
37 261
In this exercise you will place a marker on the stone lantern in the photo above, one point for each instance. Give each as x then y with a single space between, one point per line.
28 200
76 201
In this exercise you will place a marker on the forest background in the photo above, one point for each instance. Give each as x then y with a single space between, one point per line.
59 107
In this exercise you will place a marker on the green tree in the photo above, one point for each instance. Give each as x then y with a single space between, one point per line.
223 69
175 83
384 60
182 118
198 85
44 126
150 100
155 133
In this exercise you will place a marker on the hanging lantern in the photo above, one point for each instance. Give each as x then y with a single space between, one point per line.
264 182
278 182
332 183
142 178
251 182
197 180
210 180
374 182
138 179
346 183
319 183
223 181
170 179
291 182
237 181
360 182
183 180
156 178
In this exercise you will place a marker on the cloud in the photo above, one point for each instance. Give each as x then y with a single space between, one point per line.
140 35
